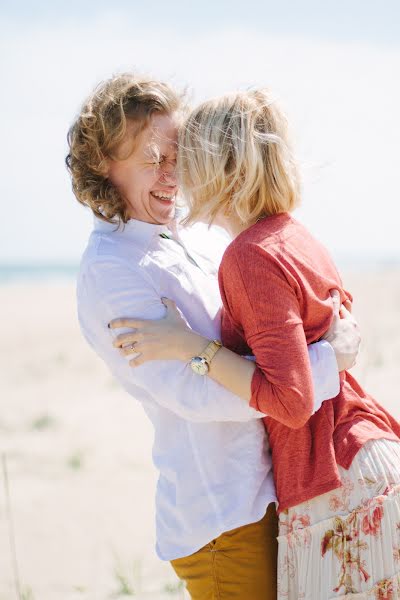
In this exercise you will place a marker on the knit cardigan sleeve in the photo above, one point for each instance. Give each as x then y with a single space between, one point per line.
263 302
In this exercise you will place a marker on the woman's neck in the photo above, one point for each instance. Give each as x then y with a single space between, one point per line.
233 226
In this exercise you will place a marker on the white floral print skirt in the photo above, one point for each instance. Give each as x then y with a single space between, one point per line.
346 543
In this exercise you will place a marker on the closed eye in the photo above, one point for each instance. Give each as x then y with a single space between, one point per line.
158 161
164 160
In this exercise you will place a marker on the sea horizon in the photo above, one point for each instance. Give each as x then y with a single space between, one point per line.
24 271
37 272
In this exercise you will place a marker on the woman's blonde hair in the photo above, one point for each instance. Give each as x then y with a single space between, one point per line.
235 158
101 126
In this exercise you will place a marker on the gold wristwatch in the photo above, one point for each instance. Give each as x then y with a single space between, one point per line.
201 364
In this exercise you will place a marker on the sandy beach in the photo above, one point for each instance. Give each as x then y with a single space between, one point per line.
78 449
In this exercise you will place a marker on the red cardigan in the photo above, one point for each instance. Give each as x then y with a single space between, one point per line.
275 280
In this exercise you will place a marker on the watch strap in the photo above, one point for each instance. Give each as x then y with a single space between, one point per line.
210 350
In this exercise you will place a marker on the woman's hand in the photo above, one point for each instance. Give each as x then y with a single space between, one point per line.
169 338
344 333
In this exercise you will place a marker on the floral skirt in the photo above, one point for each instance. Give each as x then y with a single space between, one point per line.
346 543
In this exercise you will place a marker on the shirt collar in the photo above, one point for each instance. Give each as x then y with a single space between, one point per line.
138 231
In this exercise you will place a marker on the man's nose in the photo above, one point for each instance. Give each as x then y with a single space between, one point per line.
168 174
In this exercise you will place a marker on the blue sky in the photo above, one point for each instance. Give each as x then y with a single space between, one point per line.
334 65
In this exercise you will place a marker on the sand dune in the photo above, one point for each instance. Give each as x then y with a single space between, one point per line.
78 448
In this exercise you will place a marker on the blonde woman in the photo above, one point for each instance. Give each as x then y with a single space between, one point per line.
337 472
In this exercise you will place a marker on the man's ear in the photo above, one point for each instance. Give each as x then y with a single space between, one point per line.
104 167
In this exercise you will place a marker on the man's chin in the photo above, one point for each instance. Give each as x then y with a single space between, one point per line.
167 217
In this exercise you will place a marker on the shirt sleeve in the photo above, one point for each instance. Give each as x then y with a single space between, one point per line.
109 289
265 308
325 373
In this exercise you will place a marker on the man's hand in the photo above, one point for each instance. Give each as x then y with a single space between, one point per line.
344 334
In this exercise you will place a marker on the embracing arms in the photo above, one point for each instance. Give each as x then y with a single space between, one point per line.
171 338
109 287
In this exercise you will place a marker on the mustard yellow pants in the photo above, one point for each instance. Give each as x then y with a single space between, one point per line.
238 565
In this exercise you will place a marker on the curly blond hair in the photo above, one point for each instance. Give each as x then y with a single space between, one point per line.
235 158
101 126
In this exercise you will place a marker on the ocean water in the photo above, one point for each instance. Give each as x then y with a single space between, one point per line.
12 273
42 272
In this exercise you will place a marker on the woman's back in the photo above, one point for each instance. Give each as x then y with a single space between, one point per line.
275 280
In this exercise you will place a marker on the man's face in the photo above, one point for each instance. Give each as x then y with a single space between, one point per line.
147 178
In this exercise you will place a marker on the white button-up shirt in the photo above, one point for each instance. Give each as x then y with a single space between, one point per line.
210 447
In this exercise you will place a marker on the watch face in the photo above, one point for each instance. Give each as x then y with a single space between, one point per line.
199 365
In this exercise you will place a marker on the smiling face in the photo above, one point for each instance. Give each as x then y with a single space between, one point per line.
146 179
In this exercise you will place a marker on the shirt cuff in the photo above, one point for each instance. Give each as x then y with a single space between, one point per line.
325 372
